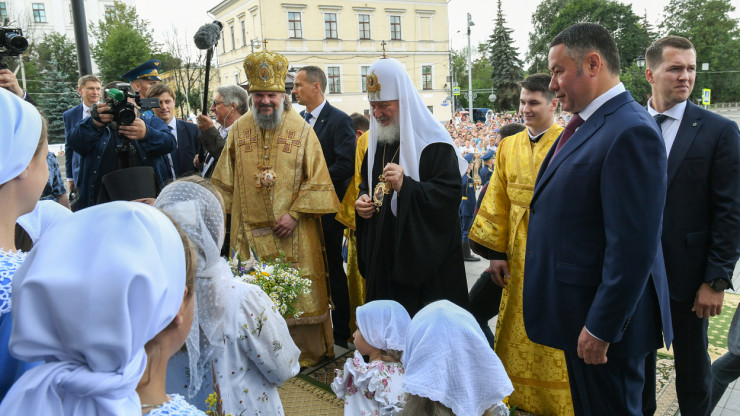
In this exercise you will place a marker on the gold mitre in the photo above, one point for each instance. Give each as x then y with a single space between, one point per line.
266 71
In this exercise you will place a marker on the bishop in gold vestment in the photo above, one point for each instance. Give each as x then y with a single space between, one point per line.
264 174
538 373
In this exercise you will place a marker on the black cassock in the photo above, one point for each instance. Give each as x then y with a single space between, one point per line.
415 257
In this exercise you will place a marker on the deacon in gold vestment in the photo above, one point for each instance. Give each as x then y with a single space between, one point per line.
346 215
276 186
539 373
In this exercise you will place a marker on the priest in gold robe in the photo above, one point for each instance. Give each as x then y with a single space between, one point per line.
499 231
276 186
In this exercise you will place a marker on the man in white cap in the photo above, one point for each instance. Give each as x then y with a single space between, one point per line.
408 224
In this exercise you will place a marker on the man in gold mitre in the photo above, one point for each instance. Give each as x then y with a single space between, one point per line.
499 233
276 186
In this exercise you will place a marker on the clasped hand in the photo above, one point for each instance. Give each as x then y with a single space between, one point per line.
393 174
284 226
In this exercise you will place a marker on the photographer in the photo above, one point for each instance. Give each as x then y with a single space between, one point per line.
106 147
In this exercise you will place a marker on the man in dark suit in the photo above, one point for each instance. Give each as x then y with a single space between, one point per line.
89 87
594 282
186 134
335 131
467 208
701 220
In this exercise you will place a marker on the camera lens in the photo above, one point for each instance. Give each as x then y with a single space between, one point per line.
126 116
15 42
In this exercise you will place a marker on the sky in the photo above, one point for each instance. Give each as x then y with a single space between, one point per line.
189 15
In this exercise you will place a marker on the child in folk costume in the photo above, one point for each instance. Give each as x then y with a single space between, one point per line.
237 331
111 290
23 175
369 387
450 368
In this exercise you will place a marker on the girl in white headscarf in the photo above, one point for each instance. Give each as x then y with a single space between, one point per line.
23 175
381 334
237 331
450 368
118 280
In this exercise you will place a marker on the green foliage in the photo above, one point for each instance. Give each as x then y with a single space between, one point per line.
505 64
716 37
481 78
57 52
631 36
635 82
124 42
57 96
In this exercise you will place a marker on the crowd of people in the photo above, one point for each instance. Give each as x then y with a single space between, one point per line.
627 219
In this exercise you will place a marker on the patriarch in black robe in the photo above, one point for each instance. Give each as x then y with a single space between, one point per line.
408 225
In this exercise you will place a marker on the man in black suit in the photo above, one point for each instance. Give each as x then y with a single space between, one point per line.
701 219
335 131
186 134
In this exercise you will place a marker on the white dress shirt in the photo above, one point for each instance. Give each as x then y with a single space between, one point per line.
315 113
669 128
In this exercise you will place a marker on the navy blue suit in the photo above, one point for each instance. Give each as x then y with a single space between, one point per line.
701 241
593 254
187 147
72 159
336 134
467 205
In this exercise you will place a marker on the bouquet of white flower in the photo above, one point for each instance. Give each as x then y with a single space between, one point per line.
277 278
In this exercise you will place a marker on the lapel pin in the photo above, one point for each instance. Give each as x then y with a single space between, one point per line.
693 125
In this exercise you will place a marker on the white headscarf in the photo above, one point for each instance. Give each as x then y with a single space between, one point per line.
20 129
92 292
383 324
46 214
199 213
419 128
448 360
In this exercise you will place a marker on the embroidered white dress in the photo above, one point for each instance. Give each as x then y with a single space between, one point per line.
258 356
11 367
367 388
177 406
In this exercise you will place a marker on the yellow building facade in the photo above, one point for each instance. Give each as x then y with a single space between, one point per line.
343 38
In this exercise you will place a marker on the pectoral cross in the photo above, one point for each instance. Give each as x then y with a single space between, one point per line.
383 45
289 142
251 139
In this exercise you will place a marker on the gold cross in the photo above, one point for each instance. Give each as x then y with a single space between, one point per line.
249 140
289 142
265 42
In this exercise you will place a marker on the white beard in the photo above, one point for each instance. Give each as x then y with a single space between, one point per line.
390 134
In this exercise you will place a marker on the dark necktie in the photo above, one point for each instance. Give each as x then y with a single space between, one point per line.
660 118
308 116
169 158
573 124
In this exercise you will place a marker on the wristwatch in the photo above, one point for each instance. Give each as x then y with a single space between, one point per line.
720 285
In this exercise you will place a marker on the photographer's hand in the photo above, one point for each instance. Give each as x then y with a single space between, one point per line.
102 110
10 82
134 131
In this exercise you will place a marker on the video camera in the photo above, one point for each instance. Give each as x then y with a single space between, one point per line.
12 43
124 113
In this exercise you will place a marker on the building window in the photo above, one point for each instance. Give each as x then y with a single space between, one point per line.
363 76
431 109
244 33
39 13
364 22
71 17
223 43
236 78
233 40
109 10
332 73
426 77
4 11
330 25
395 27
295 29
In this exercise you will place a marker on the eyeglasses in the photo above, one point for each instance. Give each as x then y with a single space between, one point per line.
216 103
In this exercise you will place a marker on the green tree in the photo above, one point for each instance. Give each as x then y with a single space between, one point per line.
60 50
56 97
481 78
124 40
505 63
631 37
716 37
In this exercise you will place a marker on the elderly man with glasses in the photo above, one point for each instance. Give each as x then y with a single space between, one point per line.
229 103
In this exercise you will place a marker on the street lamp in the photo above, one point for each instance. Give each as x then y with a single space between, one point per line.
255 44
640 62
470 70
